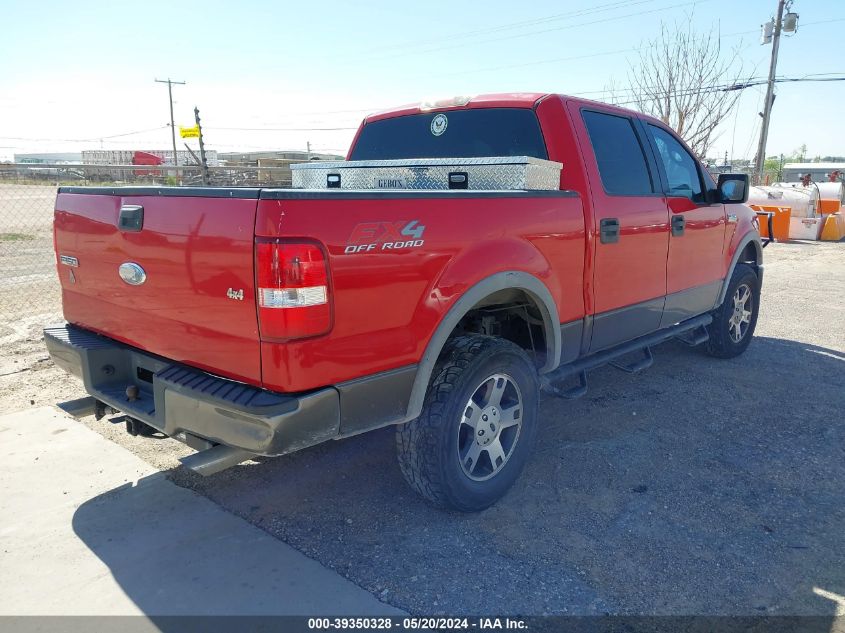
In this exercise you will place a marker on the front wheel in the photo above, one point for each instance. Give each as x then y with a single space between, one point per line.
734 321
477 426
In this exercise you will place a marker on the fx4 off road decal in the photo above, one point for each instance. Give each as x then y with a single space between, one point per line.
385 236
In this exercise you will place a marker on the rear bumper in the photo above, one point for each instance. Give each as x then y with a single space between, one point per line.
174 398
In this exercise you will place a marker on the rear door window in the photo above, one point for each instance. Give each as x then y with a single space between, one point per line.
619 154
471 133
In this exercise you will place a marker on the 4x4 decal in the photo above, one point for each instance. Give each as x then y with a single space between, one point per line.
385 236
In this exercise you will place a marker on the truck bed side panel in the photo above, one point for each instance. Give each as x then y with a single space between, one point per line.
388 301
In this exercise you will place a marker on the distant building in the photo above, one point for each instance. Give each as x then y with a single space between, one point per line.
125 157
792 172
252 158
720 168
49 157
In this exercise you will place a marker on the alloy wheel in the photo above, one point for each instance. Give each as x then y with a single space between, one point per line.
490 427
741 316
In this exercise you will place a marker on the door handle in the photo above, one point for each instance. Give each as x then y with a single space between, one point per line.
678 224
131 217
609 230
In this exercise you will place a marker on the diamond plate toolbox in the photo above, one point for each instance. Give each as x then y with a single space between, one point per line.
493 173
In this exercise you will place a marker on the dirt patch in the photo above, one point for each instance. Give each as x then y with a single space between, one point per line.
27 376
15 237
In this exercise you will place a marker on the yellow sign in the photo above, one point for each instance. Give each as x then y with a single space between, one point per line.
189 132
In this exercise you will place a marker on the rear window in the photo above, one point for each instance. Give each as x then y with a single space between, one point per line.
621 161
456 133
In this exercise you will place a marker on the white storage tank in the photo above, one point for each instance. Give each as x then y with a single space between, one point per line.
803 201
832 191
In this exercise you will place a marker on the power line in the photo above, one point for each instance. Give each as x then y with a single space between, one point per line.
515 25
153 129
754 126
549 61
285 129
604 53
804 25
558 28
725 88
751 82
600 8
539 62
245 147
572 58
164 127
85 140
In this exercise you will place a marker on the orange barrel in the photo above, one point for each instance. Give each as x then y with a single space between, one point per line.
829 206
832 196
780 221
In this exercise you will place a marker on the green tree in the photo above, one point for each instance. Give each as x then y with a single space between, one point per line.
772 164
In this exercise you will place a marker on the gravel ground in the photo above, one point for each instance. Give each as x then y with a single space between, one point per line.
698 487
29 298
28 282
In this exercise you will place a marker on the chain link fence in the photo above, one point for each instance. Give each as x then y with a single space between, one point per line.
29 287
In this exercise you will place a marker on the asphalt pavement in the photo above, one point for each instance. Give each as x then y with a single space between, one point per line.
700 486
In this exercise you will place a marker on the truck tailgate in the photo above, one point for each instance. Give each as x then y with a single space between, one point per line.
196 304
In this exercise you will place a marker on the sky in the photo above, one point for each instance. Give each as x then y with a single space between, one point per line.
279 75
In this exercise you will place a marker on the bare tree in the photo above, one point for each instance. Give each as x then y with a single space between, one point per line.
685 80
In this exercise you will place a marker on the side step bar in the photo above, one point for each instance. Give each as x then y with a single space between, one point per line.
691 332
694 337
636 367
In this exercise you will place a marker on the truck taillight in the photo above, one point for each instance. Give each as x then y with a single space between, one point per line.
293 290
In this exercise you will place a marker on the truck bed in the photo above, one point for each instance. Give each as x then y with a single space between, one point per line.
388 290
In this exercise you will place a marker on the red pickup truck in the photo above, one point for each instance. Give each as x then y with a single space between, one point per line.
262 321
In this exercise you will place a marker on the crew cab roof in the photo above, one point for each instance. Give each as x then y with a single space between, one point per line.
494 100
498 100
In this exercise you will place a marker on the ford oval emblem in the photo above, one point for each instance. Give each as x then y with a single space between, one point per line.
132 273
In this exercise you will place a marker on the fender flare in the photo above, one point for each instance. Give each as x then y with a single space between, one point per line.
748 238
500 281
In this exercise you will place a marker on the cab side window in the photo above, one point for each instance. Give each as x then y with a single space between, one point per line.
681 168
621 161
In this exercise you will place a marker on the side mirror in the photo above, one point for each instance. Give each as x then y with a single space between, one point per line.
733 188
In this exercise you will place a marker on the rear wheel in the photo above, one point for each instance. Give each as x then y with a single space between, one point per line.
734 321
477 426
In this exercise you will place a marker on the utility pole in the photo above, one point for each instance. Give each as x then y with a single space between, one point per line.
170 83
308 153
770 94
205 178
